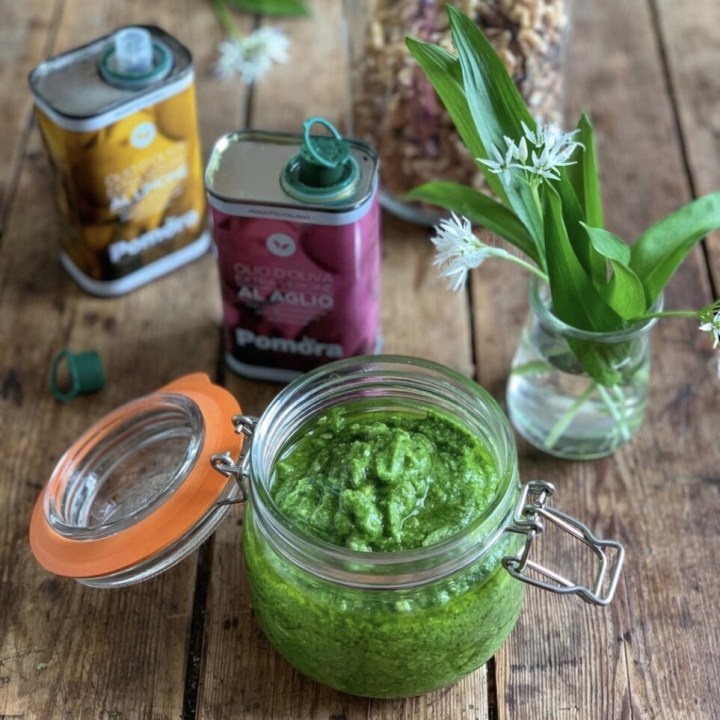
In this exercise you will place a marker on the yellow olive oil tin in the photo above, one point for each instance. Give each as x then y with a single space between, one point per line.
119 123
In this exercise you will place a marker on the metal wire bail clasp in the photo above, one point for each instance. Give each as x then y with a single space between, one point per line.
238 471
532 510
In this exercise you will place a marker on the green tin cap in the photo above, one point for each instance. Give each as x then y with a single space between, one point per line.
324 169
135 60
75 374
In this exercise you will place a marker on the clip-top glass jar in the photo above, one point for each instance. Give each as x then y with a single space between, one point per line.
381 624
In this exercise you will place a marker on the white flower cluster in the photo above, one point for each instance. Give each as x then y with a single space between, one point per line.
459 250
712 326
252 56
539 152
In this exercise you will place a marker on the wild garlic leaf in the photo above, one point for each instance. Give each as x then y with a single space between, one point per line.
493 99
479 208
584 177
608 244
625 293
658 252
271 7
573 216
576 300
444 72
496 109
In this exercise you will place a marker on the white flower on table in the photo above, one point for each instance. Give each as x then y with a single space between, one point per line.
252 56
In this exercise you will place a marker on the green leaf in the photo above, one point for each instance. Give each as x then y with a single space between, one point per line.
608 244
625 293
658 252
444 73
495 103
576 300
496 108
583 175
480 209
271 7
573 217
580 194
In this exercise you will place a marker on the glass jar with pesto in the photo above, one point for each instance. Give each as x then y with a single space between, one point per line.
387 537
387 527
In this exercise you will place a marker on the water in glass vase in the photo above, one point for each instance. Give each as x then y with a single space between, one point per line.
556 405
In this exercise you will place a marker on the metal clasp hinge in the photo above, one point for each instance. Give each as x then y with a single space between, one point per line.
239 470
529 520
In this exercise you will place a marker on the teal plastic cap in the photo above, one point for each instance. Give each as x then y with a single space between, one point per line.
76 374
324 168
322 157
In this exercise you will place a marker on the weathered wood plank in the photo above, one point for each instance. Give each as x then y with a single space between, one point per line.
68 651
25 38
690 33
565 660
243 676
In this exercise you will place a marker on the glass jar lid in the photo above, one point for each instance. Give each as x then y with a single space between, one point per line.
137 492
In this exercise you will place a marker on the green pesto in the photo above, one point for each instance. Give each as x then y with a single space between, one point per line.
384 481
383 643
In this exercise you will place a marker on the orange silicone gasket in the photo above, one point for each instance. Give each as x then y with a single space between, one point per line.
173 518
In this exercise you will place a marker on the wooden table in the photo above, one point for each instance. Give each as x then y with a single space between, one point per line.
185 644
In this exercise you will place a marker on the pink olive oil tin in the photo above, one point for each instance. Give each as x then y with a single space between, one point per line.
296 223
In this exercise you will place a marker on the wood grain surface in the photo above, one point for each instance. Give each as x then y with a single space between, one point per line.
185 645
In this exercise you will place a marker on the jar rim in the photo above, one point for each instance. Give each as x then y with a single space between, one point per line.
541 303
399 376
